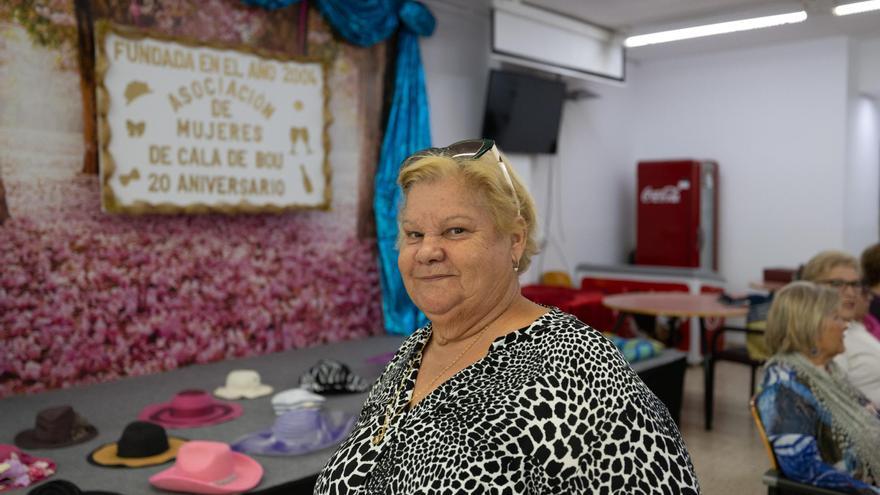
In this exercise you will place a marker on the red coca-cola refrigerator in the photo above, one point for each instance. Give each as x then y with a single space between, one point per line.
677 214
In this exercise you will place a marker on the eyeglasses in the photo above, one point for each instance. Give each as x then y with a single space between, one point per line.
473 149
836 283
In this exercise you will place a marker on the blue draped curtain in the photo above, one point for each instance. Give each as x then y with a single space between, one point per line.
365 23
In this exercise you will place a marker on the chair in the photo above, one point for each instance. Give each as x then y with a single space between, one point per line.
735 354
752 354
777 483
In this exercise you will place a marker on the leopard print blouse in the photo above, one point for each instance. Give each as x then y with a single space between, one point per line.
552 408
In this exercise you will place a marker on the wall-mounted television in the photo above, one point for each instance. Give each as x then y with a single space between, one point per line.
523 112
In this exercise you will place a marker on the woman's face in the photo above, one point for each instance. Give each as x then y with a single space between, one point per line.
452 259
845 277
830 342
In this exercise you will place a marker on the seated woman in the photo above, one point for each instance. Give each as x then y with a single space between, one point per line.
860 358
823 430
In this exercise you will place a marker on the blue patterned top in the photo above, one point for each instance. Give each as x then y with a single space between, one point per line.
799 429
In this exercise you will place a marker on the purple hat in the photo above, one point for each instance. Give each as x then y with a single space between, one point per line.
296 432
191 409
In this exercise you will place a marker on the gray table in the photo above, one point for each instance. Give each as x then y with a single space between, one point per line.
111 406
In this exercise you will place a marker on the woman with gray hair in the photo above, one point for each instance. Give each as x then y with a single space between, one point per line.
822 429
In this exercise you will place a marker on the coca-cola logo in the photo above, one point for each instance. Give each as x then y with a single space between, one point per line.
670 195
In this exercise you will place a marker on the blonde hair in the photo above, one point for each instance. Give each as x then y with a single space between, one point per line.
824 262
484 176
795 318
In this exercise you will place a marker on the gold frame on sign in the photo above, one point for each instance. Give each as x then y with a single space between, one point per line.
107 165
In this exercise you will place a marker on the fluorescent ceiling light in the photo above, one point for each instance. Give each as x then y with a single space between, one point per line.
719 28
857 8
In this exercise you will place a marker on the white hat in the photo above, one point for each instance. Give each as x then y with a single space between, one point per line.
243 384
296 398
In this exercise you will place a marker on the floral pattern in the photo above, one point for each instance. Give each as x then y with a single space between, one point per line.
52 23
49 23
86 297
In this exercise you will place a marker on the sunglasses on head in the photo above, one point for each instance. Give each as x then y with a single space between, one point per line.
472 149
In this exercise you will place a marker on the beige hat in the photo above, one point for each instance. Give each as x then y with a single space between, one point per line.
243 384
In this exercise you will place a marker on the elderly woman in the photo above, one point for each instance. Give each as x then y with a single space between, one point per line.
860 359
497 393
822 429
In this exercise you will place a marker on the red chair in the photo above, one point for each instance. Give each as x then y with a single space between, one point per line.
587 306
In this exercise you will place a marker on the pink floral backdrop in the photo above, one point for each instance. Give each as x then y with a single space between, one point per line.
87 297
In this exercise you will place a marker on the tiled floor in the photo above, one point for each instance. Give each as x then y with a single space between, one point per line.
730 459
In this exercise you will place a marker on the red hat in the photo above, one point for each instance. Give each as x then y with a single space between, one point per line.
191 409
209 468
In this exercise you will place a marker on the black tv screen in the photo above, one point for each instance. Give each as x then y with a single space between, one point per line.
523 112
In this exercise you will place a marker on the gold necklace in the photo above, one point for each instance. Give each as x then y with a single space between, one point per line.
430 387
389 408
391 412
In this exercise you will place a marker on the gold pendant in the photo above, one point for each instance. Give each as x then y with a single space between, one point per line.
377 438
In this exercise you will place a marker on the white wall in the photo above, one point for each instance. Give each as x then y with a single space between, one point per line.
863 176
456 61
869 67
594 174
863 172
775 118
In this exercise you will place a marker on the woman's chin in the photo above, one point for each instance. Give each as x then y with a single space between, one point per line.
436 309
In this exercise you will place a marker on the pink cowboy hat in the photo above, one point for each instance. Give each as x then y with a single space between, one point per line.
190 409
209 468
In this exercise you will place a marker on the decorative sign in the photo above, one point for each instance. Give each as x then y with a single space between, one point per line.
185 127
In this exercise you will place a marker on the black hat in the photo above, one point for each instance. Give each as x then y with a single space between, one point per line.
332 377
64 487
142 444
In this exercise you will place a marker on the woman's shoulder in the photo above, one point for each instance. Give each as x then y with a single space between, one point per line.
560 328
781 385
569 344
778 374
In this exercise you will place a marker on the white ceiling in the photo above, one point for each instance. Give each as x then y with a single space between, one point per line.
639 16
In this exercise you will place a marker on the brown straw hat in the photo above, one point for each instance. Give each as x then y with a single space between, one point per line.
56 427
